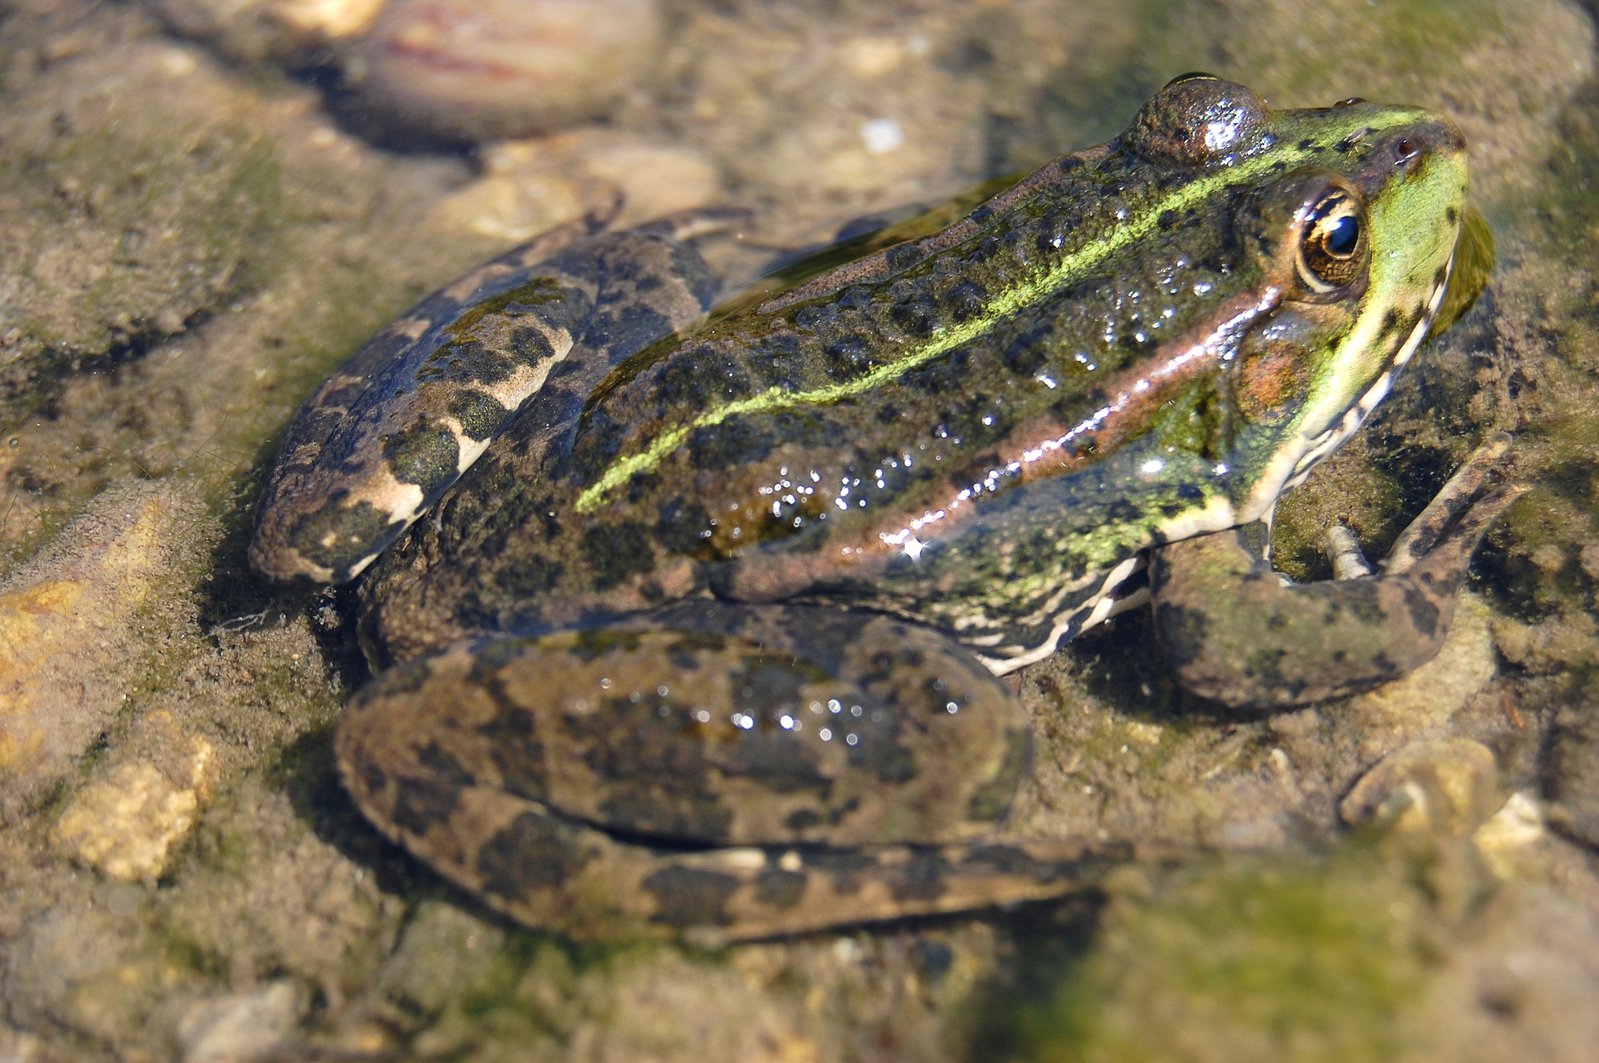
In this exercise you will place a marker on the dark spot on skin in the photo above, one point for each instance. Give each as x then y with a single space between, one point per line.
518 755
1451 215
781 889
815 316
739 441
679 524
479 412
690 896
626 330
1012 861
1027 353
1424 612
682 380
855 297
423 454
357 532
847 870
904 256
802 821
1167 221
532 852
848 356
615 553
366 777
527 581
421 804
1123 511
529 346
442 766
965 300
921 878
914 314
983 213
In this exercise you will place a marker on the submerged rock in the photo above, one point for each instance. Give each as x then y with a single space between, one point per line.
124 215
480 71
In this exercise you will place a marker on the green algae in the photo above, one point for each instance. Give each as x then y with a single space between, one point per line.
1255 960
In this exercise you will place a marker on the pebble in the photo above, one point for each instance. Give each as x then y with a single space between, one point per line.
529 186
127 822
496 69
238 1027
269 29
79 626
1434 785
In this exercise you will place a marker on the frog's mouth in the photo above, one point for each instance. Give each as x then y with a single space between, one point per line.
1465 276
1331 438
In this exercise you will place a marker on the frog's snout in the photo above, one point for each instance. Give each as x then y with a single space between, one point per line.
1405 152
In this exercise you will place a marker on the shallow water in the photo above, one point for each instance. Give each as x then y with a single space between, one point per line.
203 222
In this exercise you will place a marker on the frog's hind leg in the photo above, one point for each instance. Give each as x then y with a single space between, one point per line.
1270 642
551 873
706 774
393 428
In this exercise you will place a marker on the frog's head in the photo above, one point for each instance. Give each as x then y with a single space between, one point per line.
1351 223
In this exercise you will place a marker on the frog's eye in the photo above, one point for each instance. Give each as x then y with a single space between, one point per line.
1332 242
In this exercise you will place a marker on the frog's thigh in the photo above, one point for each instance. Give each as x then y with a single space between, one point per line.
496 761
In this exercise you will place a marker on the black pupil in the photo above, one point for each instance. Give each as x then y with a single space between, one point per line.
1342 236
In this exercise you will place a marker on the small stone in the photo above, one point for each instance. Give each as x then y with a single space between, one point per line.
76 625
494 69
1517 825
529 186
276 29
127 823
241 1026
1437 785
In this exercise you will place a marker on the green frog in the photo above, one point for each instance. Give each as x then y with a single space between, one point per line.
695 623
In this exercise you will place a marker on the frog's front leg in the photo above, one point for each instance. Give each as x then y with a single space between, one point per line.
707 770
1240 634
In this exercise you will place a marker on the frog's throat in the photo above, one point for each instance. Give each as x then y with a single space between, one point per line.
1071 266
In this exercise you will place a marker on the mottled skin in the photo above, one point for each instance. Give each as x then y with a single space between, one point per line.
707 640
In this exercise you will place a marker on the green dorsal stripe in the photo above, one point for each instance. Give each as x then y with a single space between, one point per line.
1072 265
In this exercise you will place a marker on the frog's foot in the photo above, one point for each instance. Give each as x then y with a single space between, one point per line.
381 441
1271 643
714 781
551 873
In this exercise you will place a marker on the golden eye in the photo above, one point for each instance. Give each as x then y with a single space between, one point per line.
1332 244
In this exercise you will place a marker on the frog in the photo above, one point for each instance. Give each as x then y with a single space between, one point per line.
700 620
